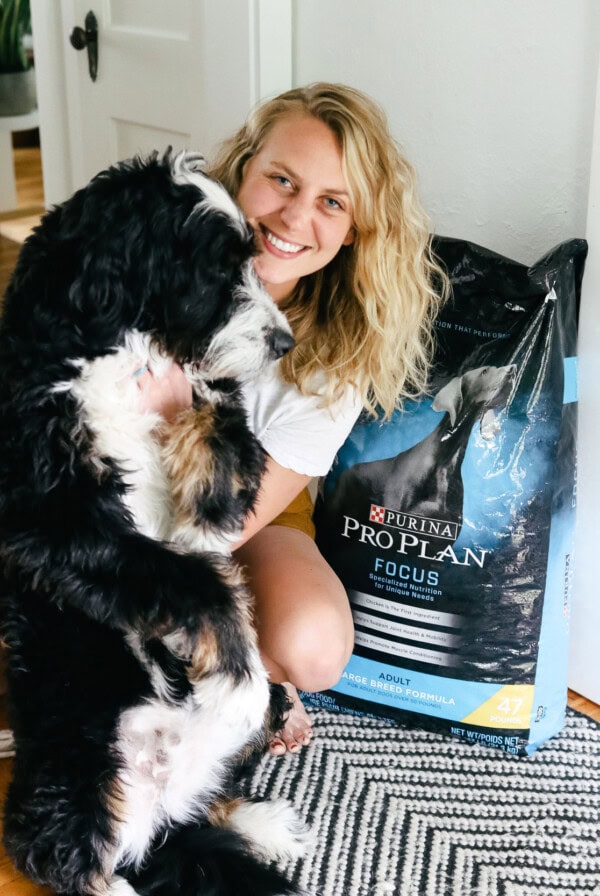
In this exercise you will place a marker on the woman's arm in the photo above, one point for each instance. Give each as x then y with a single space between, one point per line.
278 489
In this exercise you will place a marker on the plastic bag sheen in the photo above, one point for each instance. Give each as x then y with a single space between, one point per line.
451 525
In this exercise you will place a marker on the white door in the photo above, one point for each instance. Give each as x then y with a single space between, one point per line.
178 72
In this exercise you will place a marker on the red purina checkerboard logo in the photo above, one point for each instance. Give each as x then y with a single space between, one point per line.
377 514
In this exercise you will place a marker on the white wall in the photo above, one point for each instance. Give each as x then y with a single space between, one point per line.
492 101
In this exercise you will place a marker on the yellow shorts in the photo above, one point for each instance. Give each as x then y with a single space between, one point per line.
298 514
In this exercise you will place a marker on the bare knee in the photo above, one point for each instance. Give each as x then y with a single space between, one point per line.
305 628
314 648
321 667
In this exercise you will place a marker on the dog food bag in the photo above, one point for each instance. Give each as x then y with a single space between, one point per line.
451 525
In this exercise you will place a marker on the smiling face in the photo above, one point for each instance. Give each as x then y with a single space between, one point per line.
295 197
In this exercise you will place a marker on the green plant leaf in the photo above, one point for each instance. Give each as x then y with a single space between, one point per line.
15 22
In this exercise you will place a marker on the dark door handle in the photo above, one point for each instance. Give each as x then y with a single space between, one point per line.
80 39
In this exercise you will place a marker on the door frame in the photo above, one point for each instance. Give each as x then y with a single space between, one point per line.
269 71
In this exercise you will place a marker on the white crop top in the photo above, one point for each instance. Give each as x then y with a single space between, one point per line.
293 428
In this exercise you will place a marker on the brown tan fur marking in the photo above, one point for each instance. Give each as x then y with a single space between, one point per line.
221 811
205 658
188 457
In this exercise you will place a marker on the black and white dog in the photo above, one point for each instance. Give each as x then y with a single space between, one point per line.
135 679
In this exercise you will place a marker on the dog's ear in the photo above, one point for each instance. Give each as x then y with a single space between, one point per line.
200 296
449 398
101 294
199 292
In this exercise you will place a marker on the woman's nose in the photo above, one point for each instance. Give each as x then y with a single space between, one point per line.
296 212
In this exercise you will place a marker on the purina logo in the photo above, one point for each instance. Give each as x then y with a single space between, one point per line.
409 522
377 514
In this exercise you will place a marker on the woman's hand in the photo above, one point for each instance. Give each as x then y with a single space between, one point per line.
168 395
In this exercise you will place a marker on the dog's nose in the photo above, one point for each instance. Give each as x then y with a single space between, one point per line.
281 342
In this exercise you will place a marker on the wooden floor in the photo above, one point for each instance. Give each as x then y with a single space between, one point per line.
31 204
9 252
28 177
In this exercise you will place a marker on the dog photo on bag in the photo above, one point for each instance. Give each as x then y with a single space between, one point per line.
135 680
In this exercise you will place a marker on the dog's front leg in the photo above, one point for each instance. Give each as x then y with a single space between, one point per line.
214 466
134 584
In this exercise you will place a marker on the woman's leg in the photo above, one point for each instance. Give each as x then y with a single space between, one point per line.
303 618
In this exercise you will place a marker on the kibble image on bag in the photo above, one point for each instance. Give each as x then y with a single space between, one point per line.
451 524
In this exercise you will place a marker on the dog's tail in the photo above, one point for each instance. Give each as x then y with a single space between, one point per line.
201 860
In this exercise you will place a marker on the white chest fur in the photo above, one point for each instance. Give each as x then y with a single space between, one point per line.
174 756
111 406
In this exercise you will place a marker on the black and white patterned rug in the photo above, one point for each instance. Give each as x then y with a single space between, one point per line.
398 812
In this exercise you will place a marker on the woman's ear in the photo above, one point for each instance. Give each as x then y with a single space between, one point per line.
349 238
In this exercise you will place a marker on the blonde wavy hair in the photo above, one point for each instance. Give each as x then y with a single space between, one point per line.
366 319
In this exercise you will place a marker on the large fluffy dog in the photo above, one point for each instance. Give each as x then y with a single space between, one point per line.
134 674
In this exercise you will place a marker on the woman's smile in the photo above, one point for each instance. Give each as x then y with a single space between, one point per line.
278 246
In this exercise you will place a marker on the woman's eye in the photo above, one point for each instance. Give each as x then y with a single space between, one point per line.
282 180
332 203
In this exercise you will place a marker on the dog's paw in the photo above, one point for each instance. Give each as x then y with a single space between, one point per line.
280 706
272 828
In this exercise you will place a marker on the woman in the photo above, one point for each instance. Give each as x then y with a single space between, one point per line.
343 248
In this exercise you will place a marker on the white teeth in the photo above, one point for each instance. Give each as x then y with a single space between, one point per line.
279 244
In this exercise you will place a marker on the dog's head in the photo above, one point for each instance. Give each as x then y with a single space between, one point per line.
476 394
154 245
